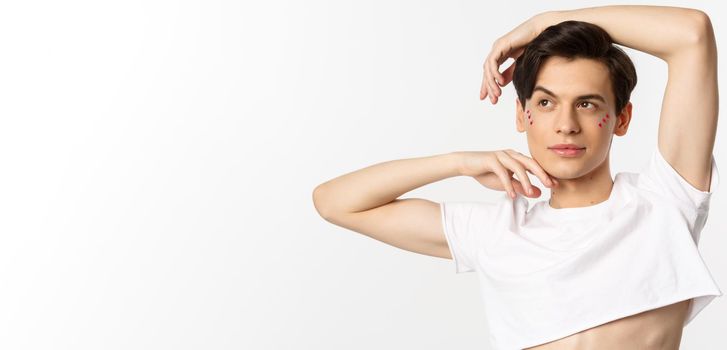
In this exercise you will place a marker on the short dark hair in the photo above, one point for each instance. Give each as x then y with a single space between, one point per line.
575 39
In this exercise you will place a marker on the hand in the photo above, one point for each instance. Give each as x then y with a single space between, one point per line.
494 170
512 45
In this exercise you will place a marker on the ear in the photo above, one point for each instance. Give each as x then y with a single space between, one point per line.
624 118
519 115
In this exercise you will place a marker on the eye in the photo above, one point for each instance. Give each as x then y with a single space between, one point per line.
588 103
541 101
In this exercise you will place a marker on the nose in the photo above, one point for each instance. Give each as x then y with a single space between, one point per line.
567 122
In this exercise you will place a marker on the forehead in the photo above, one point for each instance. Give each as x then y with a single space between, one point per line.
571 78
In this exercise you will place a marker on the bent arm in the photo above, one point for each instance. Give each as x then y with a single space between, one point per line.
382 183
366 201
685 39
661 31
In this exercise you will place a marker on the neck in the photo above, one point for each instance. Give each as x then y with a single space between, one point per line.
590 189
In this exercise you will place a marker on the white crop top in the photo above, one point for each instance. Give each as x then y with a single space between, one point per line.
547 273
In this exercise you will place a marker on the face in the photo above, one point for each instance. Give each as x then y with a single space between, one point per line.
572 103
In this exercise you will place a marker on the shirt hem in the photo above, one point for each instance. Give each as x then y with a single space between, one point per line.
618 315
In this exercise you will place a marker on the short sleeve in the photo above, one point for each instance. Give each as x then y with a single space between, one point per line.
661 177
464 225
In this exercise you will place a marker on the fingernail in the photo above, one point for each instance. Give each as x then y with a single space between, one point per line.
530 191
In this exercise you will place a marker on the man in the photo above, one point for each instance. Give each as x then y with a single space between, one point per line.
604 263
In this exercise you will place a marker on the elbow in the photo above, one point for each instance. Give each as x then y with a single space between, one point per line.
318 202
703 32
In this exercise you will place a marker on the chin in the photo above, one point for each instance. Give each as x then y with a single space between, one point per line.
563 171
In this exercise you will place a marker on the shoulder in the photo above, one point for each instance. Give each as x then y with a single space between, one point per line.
660 177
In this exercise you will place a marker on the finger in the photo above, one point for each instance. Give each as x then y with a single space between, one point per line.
517 168
497 92
520 189
494 88
488 83
483 88
532 166
497 80
505 178
535 169
508 74
526 188
495 63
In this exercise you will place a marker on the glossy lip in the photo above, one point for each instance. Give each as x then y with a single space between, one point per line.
566 145
566 152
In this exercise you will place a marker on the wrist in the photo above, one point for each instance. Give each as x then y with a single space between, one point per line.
544 20
456 161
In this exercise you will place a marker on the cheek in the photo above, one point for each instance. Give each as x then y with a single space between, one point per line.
603 121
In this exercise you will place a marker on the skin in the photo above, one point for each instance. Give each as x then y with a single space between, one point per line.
659 328
368 200
585 180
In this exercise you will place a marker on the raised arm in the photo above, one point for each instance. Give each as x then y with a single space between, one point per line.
661 31
684 39
367 200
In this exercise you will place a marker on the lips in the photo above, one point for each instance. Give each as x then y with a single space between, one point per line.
568 152
566 146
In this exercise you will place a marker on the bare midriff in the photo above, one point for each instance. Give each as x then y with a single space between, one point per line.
659 328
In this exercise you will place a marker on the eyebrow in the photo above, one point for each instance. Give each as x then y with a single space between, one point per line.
582 97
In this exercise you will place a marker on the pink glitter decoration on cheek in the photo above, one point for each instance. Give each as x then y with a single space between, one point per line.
529 118
603 120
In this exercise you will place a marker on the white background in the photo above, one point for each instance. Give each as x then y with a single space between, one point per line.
158 160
